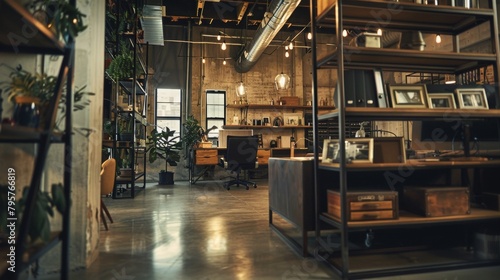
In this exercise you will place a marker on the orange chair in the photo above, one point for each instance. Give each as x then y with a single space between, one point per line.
108 176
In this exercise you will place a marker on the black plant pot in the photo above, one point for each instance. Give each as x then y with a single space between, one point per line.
166 178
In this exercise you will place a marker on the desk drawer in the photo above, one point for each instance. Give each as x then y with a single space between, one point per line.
206 157
263 156
365 206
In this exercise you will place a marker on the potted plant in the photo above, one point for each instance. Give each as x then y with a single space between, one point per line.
30 93
64 19
192 132
163 144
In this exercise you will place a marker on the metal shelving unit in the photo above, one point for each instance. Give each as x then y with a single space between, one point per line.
15 21
346 259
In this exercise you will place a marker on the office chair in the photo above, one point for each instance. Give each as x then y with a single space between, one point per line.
241 155
108 176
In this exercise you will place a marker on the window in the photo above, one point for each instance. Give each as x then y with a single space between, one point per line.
216 111
168 109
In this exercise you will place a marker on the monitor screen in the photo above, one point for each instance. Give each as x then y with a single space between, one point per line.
223 133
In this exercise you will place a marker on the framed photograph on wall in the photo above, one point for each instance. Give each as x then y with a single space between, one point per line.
292 119
442 101
472 98
357 150
408 96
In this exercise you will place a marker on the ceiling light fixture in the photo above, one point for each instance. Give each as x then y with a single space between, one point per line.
282 81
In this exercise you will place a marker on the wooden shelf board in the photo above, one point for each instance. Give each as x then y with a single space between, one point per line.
407 60
412 113
32 253
276 107
264 127
407 219
440 19
21 32
18 134
414 164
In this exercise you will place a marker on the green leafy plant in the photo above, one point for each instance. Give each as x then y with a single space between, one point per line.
63 18
164 145
122 66
39 229
25 83
193 132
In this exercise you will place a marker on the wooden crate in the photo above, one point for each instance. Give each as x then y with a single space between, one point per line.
290 100
206 157
437 201
365 205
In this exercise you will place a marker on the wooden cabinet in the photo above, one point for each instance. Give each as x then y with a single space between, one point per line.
206 157
349 257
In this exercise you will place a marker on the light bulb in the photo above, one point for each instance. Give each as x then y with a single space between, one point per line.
309 36
379 32
240 89
218 37
290 46
223 46
438 38
286 48
344 33
287 54
203 60
282 81
224 62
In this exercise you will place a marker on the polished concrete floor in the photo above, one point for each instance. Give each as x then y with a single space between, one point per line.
206 232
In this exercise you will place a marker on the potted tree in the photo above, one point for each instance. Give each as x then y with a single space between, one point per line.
163 144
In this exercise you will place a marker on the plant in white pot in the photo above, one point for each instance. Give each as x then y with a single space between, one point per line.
163 144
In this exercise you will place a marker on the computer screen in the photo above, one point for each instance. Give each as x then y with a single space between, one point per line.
223 133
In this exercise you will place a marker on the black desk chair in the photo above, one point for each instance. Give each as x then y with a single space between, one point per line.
241 155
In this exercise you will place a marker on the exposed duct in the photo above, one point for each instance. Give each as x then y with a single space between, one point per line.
279 11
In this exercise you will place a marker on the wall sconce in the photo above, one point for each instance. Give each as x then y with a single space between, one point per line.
282 81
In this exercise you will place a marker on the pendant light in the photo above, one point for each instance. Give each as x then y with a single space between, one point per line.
282 81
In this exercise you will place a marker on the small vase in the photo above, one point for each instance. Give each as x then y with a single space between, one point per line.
27 111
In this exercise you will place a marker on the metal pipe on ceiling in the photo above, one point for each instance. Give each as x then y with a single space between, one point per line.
280 11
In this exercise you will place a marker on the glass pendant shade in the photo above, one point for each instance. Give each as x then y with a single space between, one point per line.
282 81
240 89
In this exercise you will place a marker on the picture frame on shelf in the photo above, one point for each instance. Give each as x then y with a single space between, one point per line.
266 121
357 150
292 119
472 98
441 101
408 96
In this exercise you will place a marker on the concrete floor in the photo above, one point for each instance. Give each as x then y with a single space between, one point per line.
205 232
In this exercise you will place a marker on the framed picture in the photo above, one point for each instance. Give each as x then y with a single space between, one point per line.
389 150
357 150
292 119
266 121
408 96
441 101
472 98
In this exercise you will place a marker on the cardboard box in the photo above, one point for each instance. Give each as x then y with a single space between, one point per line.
290 100
365 205
437 201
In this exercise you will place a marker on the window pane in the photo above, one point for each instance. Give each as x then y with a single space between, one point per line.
215 132
171 124
168 103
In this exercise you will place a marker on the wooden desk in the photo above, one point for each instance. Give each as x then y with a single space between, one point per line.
208 157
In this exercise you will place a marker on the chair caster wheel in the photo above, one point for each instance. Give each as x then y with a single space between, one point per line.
247 188
254 186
